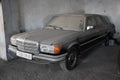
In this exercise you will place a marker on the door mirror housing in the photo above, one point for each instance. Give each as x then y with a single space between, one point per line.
90 27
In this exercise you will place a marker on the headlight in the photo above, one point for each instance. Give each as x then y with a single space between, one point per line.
50 49
13 40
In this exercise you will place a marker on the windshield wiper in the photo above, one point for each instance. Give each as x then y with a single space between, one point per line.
55 27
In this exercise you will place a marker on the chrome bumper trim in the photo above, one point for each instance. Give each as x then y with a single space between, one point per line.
52 58
12 48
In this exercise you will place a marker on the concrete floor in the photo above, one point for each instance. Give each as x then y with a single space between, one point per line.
100 64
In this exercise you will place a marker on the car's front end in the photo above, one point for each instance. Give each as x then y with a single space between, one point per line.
26 46
40 55
33 50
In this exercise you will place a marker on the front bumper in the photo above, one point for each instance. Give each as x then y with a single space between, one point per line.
50 58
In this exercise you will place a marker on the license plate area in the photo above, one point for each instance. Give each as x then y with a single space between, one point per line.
24 55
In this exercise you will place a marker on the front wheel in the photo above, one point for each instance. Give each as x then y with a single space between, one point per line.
108 38
71 59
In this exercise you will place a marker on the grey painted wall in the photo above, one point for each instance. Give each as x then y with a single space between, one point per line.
33 12
110 8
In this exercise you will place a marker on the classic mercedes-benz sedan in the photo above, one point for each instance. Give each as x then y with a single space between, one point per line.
64 38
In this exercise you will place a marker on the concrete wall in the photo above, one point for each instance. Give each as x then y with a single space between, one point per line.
33 12
2 37
110 8
11 26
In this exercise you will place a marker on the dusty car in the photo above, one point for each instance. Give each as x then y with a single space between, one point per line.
63 39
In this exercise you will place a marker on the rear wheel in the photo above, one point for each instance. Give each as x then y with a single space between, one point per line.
119 62
107 41
108 38
71 59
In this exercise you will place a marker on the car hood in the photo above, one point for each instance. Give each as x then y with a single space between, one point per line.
47 36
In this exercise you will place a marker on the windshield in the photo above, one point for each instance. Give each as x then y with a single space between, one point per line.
67 22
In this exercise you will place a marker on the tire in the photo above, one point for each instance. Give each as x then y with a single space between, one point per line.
71 60
63 66
107 41
119 61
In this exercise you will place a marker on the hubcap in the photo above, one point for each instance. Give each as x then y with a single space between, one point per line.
72 59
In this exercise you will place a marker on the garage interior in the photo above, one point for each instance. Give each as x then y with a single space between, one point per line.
18 16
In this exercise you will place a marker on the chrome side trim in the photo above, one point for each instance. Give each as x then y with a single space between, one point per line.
92 40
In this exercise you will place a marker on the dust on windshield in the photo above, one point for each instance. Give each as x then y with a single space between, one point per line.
67 22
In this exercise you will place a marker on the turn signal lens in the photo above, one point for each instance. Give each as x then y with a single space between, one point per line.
57 49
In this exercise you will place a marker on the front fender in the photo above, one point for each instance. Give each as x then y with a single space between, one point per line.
72 44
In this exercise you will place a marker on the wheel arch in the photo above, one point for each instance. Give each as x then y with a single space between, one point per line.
72 44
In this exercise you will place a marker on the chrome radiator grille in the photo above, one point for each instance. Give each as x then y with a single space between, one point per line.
28 46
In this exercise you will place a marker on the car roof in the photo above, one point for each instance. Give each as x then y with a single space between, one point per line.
79 14
92 15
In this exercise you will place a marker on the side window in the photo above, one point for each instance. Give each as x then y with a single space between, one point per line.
105 19
90 23
99 20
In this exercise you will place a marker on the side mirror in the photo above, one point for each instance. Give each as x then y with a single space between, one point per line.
90 27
